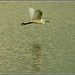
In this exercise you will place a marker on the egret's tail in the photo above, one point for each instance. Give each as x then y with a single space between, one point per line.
26 23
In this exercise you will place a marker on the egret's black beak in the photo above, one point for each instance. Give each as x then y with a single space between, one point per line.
47 21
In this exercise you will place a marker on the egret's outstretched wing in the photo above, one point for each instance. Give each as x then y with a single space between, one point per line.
31 12
37 15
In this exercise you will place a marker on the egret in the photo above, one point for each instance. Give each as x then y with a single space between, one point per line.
35 16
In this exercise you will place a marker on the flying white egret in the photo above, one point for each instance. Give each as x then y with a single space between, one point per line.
35 16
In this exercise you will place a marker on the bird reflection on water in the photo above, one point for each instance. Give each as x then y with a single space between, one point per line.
36 58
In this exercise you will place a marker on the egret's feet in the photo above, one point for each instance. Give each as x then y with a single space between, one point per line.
22 24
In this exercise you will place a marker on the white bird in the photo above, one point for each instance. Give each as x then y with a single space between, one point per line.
35 16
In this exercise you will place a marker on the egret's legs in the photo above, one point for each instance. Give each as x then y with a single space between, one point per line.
26 23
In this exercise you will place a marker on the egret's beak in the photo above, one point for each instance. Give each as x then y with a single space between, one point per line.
47 21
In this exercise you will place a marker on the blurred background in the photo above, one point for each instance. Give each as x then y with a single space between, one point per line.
37 48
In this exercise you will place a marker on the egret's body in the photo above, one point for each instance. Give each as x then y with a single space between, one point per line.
35 16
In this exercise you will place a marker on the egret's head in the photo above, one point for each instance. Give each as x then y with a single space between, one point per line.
42 21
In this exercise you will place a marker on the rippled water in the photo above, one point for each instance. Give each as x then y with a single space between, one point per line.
37 48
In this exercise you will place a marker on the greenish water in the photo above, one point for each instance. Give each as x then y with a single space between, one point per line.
37 48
